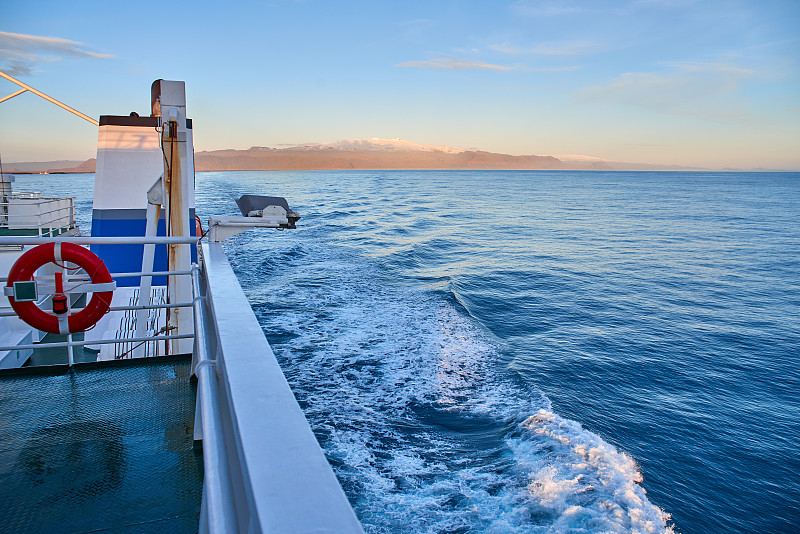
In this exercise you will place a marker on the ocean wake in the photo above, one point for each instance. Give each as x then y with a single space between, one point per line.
582 481
426 431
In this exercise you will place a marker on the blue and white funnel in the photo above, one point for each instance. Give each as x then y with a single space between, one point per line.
130 159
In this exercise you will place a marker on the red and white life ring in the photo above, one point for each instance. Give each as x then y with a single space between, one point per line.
30 261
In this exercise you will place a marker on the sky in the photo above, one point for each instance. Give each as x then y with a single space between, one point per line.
711 83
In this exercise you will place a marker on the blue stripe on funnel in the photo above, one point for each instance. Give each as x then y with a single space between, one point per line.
128 258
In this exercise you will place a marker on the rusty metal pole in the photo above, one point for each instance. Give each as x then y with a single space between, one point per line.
172 105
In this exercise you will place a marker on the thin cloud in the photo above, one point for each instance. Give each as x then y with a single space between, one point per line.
415 23
720 68
691 88
564 48
19 53
566 68
664 4
452 64
415 30
545 8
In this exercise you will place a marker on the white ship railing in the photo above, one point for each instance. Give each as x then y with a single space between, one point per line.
286 483
45 216
122 342
132 240
217 513
264 471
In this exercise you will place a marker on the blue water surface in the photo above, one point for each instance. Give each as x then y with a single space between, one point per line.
539 351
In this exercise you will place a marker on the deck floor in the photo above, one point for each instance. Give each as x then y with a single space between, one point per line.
101 448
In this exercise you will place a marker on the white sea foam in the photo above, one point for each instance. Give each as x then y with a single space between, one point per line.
583 481
426 432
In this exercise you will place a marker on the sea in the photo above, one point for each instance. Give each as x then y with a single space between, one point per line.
535 351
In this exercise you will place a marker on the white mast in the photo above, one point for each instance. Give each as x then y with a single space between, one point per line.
169 102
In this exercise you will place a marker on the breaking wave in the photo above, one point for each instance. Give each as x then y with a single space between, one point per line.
426 429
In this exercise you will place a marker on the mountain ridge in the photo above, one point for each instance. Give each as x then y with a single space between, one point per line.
365 154
339 156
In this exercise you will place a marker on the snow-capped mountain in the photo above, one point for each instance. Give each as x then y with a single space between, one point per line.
377 144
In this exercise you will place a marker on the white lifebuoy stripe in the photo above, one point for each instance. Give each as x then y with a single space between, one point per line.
24 269
63 323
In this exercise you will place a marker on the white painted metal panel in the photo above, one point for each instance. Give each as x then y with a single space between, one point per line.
129 160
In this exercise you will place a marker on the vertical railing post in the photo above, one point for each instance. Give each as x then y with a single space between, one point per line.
145 282
70 357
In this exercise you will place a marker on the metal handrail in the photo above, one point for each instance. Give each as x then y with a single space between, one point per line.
26 194
132 240
94 342
61 215
128 275
32 195
217 493
127 308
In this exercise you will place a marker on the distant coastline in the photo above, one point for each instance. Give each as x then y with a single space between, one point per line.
368 154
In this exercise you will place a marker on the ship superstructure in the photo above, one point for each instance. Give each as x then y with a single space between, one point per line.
171 412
